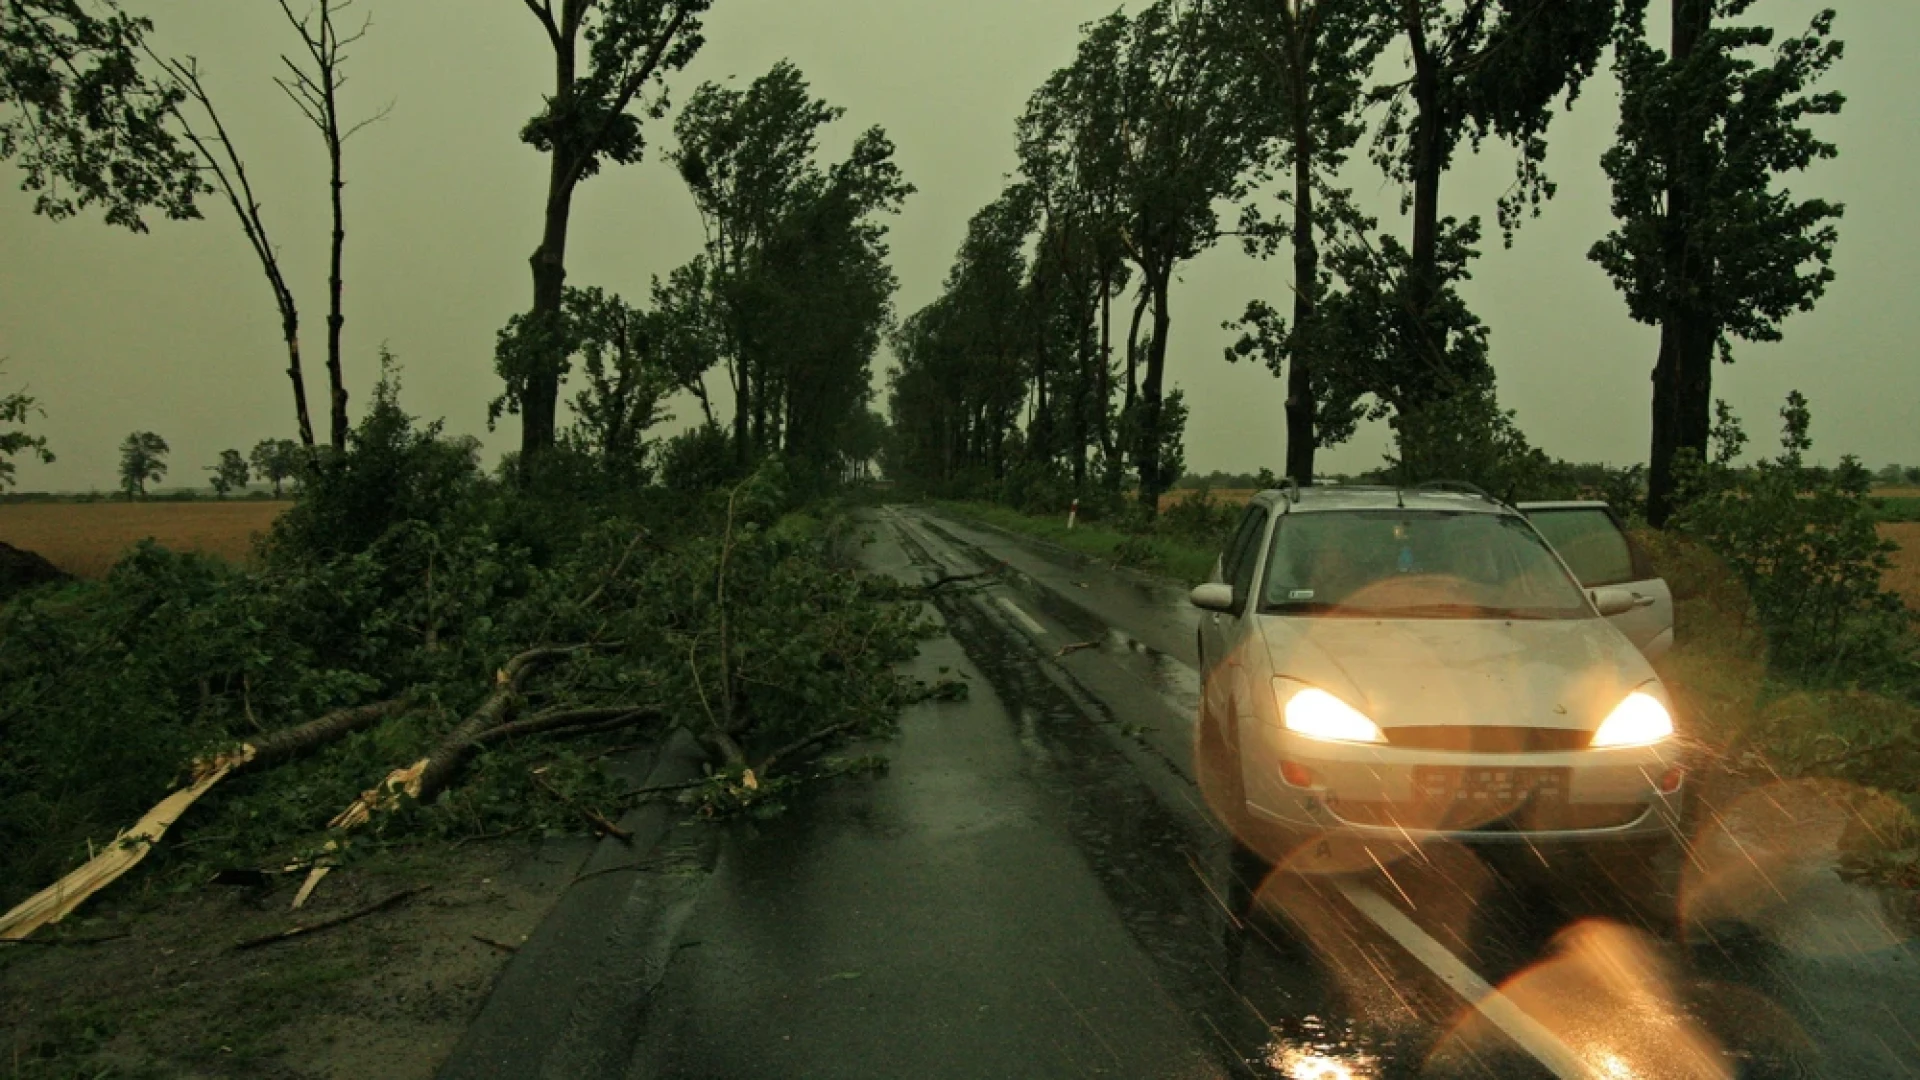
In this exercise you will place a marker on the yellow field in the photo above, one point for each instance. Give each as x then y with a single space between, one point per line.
1229 496
86 539
1904 578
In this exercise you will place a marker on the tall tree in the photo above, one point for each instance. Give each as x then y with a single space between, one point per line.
316 91
593 117
15 408
143 461
1710 245
1310 60
1181 140
1478 68
795 256
84 122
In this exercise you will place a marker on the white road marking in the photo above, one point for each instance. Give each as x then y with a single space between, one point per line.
1026 620
1498 1008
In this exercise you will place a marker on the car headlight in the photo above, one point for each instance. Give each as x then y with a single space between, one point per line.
1640 720
1319 715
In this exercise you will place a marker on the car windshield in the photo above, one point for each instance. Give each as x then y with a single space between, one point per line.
1417 565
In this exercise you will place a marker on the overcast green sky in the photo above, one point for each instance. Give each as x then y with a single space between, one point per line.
176 332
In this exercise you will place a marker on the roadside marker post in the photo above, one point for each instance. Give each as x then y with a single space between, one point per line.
1073 513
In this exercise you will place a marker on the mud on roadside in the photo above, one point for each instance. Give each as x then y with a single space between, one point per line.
386 995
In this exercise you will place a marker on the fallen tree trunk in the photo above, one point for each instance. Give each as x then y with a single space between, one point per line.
281 746
459 744
571 721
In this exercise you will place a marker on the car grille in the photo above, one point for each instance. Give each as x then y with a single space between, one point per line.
1555 817
1476 739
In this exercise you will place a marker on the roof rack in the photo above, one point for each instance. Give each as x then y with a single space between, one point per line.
1460 486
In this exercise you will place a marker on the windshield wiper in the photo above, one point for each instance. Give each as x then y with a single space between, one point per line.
1463 611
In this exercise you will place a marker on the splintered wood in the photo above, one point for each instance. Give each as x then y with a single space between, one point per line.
399 782
57 901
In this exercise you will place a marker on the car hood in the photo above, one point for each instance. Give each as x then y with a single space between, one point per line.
1560 673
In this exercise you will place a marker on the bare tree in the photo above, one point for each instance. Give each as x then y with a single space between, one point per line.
316 91
216 150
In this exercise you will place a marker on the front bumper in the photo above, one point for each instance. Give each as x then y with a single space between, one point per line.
1370 791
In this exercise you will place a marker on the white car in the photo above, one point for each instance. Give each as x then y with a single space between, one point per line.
1412 665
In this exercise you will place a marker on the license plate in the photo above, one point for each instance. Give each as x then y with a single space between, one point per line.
1473 785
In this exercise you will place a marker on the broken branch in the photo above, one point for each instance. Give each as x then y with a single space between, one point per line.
595 817
801 744
327 924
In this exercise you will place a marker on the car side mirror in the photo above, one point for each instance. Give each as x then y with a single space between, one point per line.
1213 596
1614 601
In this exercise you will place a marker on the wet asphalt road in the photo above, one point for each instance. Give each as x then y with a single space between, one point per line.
1035 889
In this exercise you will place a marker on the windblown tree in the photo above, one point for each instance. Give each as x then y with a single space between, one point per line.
1711 246
1309 61
85 124
15 409
1180 139
143 461
593 117
626 385
966 361
228 474
795 261
1477 69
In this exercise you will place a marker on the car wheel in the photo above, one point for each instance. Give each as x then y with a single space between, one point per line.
1220 779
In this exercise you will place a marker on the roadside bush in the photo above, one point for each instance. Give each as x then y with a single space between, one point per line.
699 459
395 470
1802 542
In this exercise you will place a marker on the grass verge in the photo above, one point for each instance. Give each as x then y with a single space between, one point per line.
1182 560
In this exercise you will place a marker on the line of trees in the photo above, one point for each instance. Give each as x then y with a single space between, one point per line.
1018 377
792 294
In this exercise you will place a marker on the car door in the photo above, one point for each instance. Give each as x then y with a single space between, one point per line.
1598 551
1218 631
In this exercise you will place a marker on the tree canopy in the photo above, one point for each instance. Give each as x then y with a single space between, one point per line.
84 122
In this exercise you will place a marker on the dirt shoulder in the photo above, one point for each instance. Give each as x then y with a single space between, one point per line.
386 995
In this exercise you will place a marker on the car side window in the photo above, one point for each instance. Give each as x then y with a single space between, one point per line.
1592 544
1230 558
1239 573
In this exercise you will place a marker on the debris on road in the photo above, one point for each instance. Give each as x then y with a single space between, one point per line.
328 924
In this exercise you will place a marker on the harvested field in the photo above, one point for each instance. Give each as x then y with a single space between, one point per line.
86 539
1904 578
1227 496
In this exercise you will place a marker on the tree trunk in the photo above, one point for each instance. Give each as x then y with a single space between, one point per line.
290 331
1302 439
1683 375
540 408
1133 349
540 404
336 381
290 743
1150 396
1106 364
1423 272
